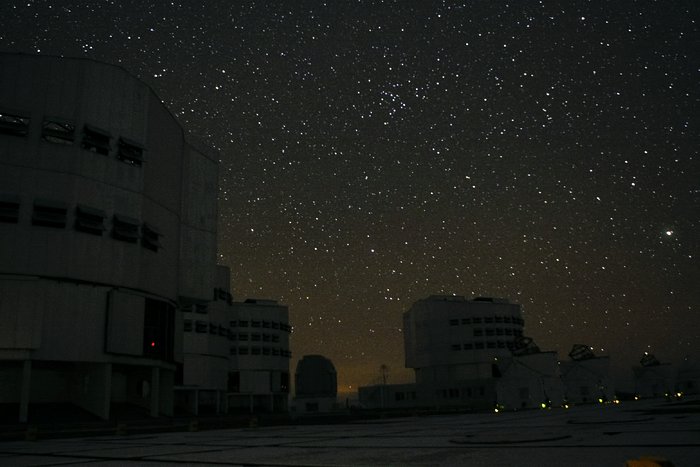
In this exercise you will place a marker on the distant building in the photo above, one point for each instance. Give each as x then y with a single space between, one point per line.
258 379
586 377
315 385
108 215
653 378
469 354
688 378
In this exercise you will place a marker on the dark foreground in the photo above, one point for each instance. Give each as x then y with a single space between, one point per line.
581 436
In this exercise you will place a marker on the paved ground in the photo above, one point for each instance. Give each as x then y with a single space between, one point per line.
582 436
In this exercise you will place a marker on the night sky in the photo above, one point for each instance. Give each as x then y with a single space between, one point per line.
376 152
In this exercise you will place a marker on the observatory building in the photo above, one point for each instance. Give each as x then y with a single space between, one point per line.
108 215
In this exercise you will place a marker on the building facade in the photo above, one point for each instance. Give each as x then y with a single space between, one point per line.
258 379
315 385
108 217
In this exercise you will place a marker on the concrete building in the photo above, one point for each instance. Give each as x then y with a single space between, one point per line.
107 226
469 354
315 385
258 379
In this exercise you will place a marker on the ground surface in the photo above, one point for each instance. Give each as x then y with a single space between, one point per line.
582 436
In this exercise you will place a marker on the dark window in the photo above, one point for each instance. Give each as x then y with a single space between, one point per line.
234 380
158 330
130 152
96 140
275 325
284 382
125 228
242 324
468 346
233 324
478 332
499 319
255 337
201 326
507 319
466 321
222 331
49 213
186 307
57 131
233 351
266 351
479 345
499 332
255 350
150 237
255 324
233 336
89 220
399 396
491 345
213 328
243 337
454 322
9 208
501 344
243 351
477 320
187 325
509 332
266 324
454 393
489 332
456 347
275 338
200 308
266 337
275 352
488 320
14 124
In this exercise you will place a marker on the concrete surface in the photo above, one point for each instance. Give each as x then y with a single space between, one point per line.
581 436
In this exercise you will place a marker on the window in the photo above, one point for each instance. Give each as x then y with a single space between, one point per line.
213 328
284 382
233 351
456 347
477 320
233 336
233 324
96 140
255 324
187 325
14 124
9 208
57 131
499 319
242 324
399 396
150 237
255 337
201 326
130 152
468 346
275 352
479 345
266 324
243 351
509 332
499 332
266 351
89 220
489 332
186 307
266 337
491 345
125 228
49 213
466 321
501 344
275 325
255 350
200 308
488 320
222 331
454 322
507 319
243 337
275 338
478 332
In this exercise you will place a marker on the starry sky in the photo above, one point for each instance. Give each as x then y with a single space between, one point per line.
376 152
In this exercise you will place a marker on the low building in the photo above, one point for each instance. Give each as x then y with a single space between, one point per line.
688 378
258 379
529 381
586 377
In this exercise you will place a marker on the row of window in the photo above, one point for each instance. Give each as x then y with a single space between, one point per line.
484 345
497 332
57 130
261 324
90 220
267 351
204 327
466 393
488 320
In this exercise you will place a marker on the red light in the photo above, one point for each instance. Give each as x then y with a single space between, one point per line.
153 344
